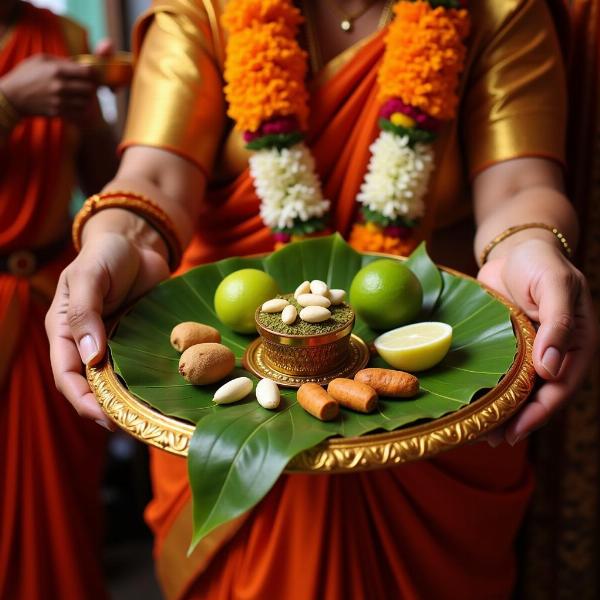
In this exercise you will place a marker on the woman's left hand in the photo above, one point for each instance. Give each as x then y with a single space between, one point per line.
552 292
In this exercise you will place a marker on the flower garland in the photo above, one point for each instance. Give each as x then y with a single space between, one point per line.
265 71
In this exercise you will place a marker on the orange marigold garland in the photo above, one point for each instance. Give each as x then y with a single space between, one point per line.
265 73
418 88
424 57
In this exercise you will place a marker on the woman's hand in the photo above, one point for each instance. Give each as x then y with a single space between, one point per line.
49 86
552 292
110 271
122 257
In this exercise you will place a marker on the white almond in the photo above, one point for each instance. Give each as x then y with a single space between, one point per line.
314 314
289 314
313 300
233 390
303 288
274 306
267 394
337 296
319 287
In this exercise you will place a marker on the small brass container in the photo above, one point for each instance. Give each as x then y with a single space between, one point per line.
305 355
114 71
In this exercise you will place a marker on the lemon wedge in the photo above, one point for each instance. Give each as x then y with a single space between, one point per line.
415 347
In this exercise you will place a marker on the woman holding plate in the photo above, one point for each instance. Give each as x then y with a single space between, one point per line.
421 114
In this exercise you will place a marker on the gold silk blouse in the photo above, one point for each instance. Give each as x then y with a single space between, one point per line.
513 94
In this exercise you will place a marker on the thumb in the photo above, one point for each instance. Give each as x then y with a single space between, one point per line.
105 47
556 295
84 312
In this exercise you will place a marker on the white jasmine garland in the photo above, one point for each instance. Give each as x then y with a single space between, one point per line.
288 186
397 177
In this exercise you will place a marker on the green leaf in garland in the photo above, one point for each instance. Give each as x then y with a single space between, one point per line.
372 216
414 135
304 227
445 3
276 140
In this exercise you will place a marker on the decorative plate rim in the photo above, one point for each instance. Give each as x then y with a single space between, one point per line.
347 454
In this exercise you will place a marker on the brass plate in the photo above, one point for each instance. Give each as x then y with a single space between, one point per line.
114 71
253 361
343 455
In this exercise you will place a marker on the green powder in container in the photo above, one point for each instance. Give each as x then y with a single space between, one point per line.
341 315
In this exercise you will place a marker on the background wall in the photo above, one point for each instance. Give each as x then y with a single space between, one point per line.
90 13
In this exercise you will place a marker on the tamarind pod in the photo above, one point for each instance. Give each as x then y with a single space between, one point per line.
316 401
387 382
353 394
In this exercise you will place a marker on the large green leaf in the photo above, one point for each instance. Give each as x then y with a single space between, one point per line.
238 452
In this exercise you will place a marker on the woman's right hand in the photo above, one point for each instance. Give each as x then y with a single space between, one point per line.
49 86
109 272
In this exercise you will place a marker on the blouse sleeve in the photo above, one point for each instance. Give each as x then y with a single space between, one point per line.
177 99
516 93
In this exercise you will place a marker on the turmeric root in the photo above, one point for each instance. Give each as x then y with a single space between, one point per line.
316 401
387 382
353 394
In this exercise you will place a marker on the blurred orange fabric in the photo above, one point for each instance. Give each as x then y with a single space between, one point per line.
50 460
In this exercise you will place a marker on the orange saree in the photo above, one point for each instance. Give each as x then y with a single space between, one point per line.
442 528
50 461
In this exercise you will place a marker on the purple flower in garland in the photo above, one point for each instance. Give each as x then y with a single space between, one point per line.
275 126
397 231
282 237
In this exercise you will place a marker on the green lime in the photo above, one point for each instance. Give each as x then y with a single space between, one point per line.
239 295
386 294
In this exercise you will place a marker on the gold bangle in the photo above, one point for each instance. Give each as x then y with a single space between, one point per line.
9 117
515 229
155 216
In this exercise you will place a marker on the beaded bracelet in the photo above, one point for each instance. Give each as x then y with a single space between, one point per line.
9 117
515 229
156 217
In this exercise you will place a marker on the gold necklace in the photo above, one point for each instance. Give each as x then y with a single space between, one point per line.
314 48
347 22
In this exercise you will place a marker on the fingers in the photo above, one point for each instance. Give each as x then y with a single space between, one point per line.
545 403
74 386
84 312
75 88
97 282
556 294
496 437
66 363
554 394
69 69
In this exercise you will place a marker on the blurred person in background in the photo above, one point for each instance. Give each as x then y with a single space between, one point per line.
52 135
